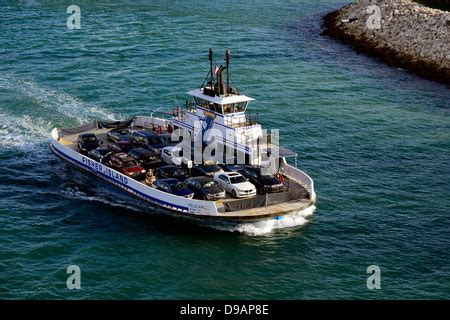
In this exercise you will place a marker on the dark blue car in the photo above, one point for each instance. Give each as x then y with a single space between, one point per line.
173 186
87 142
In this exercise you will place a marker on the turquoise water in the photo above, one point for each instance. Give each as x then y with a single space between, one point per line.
375 139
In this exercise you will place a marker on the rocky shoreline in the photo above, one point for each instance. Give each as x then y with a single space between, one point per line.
401 33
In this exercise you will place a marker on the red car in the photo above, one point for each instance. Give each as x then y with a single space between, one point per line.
126 165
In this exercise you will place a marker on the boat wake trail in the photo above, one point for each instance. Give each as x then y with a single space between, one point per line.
53 101
23 132
29 122
265 227
76 194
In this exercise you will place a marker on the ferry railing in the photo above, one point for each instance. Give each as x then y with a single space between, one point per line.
250 119
298 176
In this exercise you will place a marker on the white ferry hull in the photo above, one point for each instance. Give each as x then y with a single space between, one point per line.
205 211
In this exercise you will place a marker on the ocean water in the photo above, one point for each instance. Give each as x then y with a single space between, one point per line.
375 139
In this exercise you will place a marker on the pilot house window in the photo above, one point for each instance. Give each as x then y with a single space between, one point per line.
234 107
221 109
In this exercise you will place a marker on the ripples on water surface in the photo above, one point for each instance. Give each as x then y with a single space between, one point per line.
375 139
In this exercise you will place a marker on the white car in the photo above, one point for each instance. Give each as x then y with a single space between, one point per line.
236 184
172 155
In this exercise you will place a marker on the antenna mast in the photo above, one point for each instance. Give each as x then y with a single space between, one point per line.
211 67
228 56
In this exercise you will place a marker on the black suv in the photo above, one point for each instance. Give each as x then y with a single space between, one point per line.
120 146
87 142
149 139
118 134
263 181
205 188
171 171
203 170
147 158
100 154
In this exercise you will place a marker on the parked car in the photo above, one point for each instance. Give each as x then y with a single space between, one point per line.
146 158
87 142
100 154
261 179
232 167
205 170
121 147
126 165
147 139
235 184
118 134
172 155
173 186
168 139
171 171
205 188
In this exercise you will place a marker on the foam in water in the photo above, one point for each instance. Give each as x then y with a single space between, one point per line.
26 131
268 226
55 101
22 132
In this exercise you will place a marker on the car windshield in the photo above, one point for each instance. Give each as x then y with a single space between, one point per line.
238 179
155 140
176 171
122 132
103 151
124 147
89 139
129 164
211 168
178 186
209 184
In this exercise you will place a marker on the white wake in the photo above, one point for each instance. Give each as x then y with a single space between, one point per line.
267 226
28 130
22 132
53 101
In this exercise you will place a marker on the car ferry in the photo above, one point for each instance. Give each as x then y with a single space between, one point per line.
145 157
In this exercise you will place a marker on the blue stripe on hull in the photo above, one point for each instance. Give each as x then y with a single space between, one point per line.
152 200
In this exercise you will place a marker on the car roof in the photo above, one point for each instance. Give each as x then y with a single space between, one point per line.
201 179
167 135
122 142
87 135
170 166
123 156
142 151
172 148
250 167
147 133
207 166
233 166
231 174
169 180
